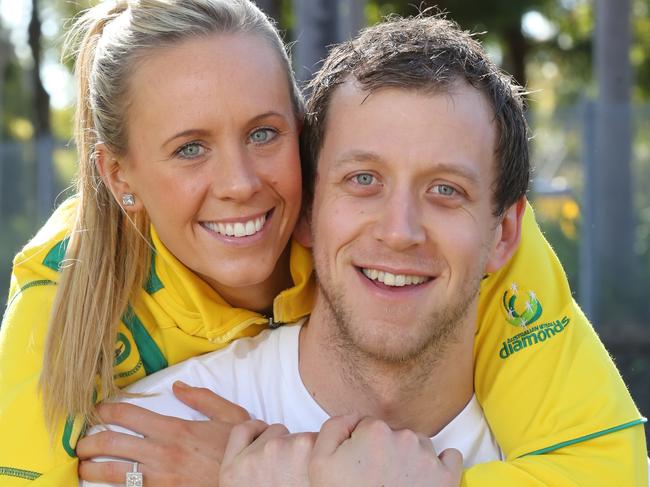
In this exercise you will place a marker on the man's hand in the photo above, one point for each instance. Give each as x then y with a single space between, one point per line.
173 452
259 454
354 451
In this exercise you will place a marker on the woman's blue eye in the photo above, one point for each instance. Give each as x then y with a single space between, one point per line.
444 189
260 136
191 150
364 179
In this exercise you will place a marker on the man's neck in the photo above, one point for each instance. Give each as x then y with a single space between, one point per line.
423 394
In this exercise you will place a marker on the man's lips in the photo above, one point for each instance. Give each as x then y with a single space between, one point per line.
394 279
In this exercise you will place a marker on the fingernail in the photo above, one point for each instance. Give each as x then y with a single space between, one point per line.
181 385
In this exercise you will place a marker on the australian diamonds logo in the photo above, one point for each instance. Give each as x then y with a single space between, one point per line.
528 313
522 309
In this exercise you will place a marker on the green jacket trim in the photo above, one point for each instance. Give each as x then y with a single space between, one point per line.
153 282
587 437
21 474
56 255
40 282
152 358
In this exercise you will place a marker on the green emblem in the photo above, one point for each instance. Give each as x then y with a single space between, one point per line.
122 349
522 309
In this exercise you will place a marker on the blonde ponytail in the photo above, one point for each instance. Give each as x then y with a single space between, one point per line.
105 265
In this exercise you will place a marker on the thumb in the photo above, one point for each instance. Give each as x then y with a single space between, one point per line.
209 404
452 459
334 432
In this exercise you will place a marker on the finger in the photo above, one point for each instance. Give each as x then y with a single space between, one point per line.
241 436
427 444
272 431
453 460
334 432
209 404
111 443
136 418
105 472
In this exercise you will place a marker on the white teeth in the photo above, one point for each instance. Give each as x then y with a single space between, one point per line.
397 280
239 229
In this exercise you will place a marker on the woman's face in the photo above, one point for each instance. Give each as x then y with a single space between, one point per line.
213 157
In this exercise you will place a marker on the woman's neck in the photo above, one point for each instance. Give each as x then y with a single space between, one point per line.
259 297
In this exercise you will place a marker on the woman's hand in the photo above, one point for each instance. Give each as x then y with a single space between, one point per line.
173 452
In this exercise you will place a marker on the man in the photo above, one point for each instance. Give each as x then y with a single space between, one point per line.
419 192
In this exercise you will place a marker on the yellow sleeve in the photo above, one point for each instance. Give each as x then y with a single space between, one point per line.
28 456
551 394
593 463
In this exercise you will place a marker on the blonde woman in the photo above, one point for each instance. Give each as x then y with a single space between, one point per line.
179 241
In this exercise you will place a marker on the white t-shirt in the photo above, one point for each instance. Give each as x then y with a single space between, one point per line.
261 374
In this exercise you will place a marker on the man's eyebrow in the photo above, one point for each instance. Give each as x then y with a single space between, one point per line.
358 156
461 170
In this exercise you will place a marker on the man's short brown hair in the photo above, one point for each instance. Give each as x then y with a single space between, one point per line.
427 53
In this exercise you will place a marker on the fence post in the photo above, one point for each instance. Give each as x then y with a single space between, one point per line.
45 184
588 271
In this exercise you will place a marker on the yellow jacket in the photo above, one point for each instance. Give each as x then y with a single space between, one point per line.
552 392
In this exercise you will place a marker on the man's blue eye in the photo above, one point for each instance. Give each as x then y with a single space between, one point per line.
193 149
364 179
444 189
261 136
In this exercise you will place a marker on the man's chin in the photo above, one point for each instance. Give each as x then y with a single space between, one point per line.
394 343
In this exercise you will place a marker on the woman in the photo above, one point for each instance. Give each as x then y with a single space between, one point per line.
178 240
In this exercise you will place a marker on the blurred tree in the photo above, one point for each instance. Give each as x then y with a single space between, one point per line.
45 182
6 52
501 18
41 103
613 211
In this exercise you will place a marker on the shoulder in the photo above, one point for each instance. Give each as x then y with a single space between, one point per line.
43 254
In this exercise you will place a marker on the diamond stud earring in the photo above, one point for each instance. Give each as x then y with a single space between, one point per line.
128 199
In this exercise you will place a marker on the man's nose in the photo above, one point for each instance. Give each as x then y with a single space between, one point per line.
399 223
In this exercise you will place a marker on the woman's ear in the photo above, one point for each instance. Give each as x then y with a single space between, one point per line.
507 236
114 175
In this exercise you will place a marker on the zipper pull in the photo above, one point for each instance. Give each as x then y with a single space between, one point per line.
273 324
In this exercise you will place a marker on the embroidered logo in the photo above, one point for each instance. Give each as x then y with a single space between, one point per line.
522 308
122 349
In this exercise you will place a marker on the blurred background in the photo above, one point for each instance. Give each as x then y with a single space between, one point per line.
586 63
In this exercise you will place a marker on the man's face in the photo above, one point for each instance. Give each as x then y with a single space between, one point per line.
402 219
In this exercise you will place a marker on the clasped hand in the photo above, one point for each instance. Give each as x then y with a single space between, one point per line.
349 450
238 451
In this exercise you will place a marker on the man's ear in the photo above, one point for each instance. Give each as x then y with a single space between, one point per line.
113 174
507 236
302 232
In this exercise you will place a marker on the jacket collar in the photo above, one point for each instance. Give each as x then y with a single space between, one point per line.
197 309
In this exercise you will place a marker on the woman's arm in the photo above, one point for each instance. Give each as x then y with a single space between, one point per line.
547 384
29 455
